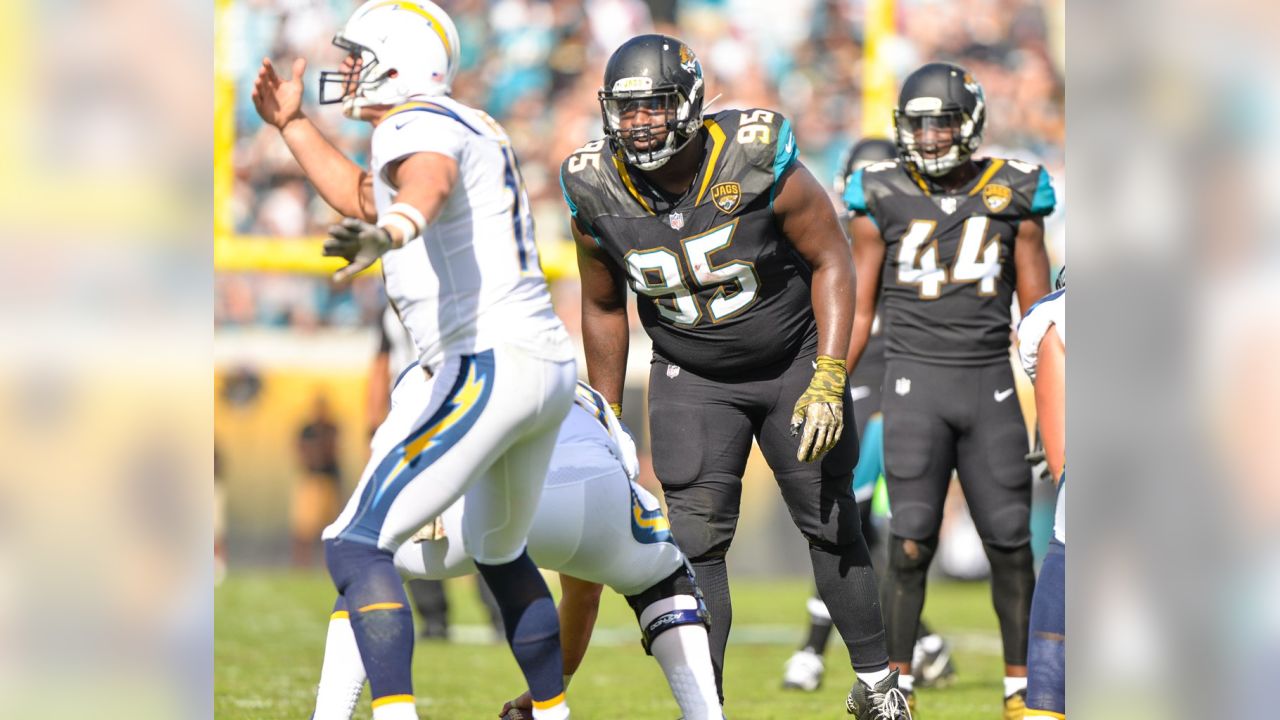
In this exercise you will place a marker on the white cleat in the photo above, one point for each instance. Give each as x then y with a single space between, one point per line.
803 671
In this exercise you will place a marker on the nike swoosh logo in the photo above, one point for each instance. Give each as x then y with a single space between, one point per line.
1002 395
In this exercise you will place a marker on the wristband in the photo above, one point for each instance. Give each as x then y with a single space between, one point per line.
401 223
414 215
617 409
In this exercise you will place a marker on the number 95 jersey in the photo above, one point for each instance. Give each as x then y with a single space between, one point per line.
720 289
948 276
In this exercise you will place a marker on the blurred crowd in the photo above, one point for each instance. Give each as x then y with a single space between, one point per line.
535 65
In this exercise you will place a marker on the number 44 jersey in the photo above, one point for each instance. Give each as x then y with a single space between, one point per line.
948 276
720 289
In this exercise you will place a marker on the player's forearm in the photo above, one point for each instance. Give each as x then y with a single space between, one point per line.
832 296
861 335
342 184
1051 405
606 338
579 607
1031 259
868 257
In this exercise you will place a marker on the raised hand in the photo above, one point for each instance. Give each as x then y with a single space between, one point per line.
278 101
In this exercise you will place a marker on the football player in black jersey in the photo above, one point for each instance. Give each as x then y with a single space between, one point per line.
743 276
931 661
945 241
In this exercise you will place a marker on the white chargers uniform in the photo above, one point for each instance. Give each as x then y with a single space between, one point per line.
472 295
593 521
1049 312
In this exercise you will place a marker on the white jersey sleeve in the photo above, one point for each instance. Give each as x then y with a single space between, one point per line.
1049 311
416 132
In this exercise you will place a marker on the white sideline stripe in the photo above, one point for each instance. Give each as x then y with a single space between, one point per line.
973 642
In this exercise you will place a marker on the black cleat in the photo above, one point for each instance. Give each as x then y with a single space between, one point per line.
882 702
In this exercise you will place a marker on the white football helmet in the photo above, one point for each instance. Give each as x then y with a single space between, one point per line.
401 49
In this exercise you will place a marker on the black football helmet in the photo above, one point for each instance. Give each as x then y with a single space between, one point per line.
939 101
866 151
652 99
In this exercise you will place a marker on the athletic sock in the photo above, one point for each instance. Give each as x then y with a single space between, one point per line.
553 709
380 618
395 707
907 683
342 673
1014 684
819 626
847 584
713 579
930 643
685 656
532 628
871 677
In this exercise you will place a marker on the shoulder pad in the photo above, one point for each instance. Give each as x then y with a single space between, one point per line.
579 174
1031 186
876 181
763 136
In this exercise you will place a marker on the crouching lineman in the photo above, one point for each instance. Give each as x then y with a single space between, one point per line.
450 221
595 526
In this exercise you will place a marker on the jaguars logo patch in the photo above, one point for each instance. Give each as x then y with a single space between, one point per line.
996 197
726 196
687 61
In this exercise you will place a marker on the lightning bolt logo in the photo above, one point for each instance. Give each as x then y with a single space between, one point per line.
448 424
648 526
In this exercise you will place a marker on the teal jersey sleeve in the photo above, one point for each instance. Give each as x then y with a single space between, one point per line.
784 156
854 198
786 152
573 207
1044 200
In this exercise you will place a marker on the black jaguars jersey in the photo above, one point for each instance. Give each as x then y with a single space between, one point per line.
948 277
721 290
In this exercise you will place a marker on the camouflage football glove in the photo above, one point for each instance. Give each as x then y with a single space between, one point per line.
359 243
820 410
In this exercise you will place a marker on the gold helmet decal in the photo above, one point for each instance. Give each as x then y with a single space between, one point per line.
687 60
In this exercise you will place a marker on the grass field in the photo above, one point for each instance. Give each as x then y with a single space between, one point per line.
271 627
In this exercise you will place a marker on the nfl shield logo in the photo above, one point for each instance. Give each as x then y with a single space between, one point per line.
902 386
948 204
673 370
675 220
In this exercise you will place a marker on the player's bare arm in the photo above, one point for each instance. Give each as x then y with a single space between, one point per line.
344 186
805 215
425 180
868 259
605 332
579 607
1032 262
1051 400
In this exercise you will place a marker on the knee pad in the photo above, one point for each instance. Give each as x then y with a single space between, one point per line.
680 582
1012 573
911 557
